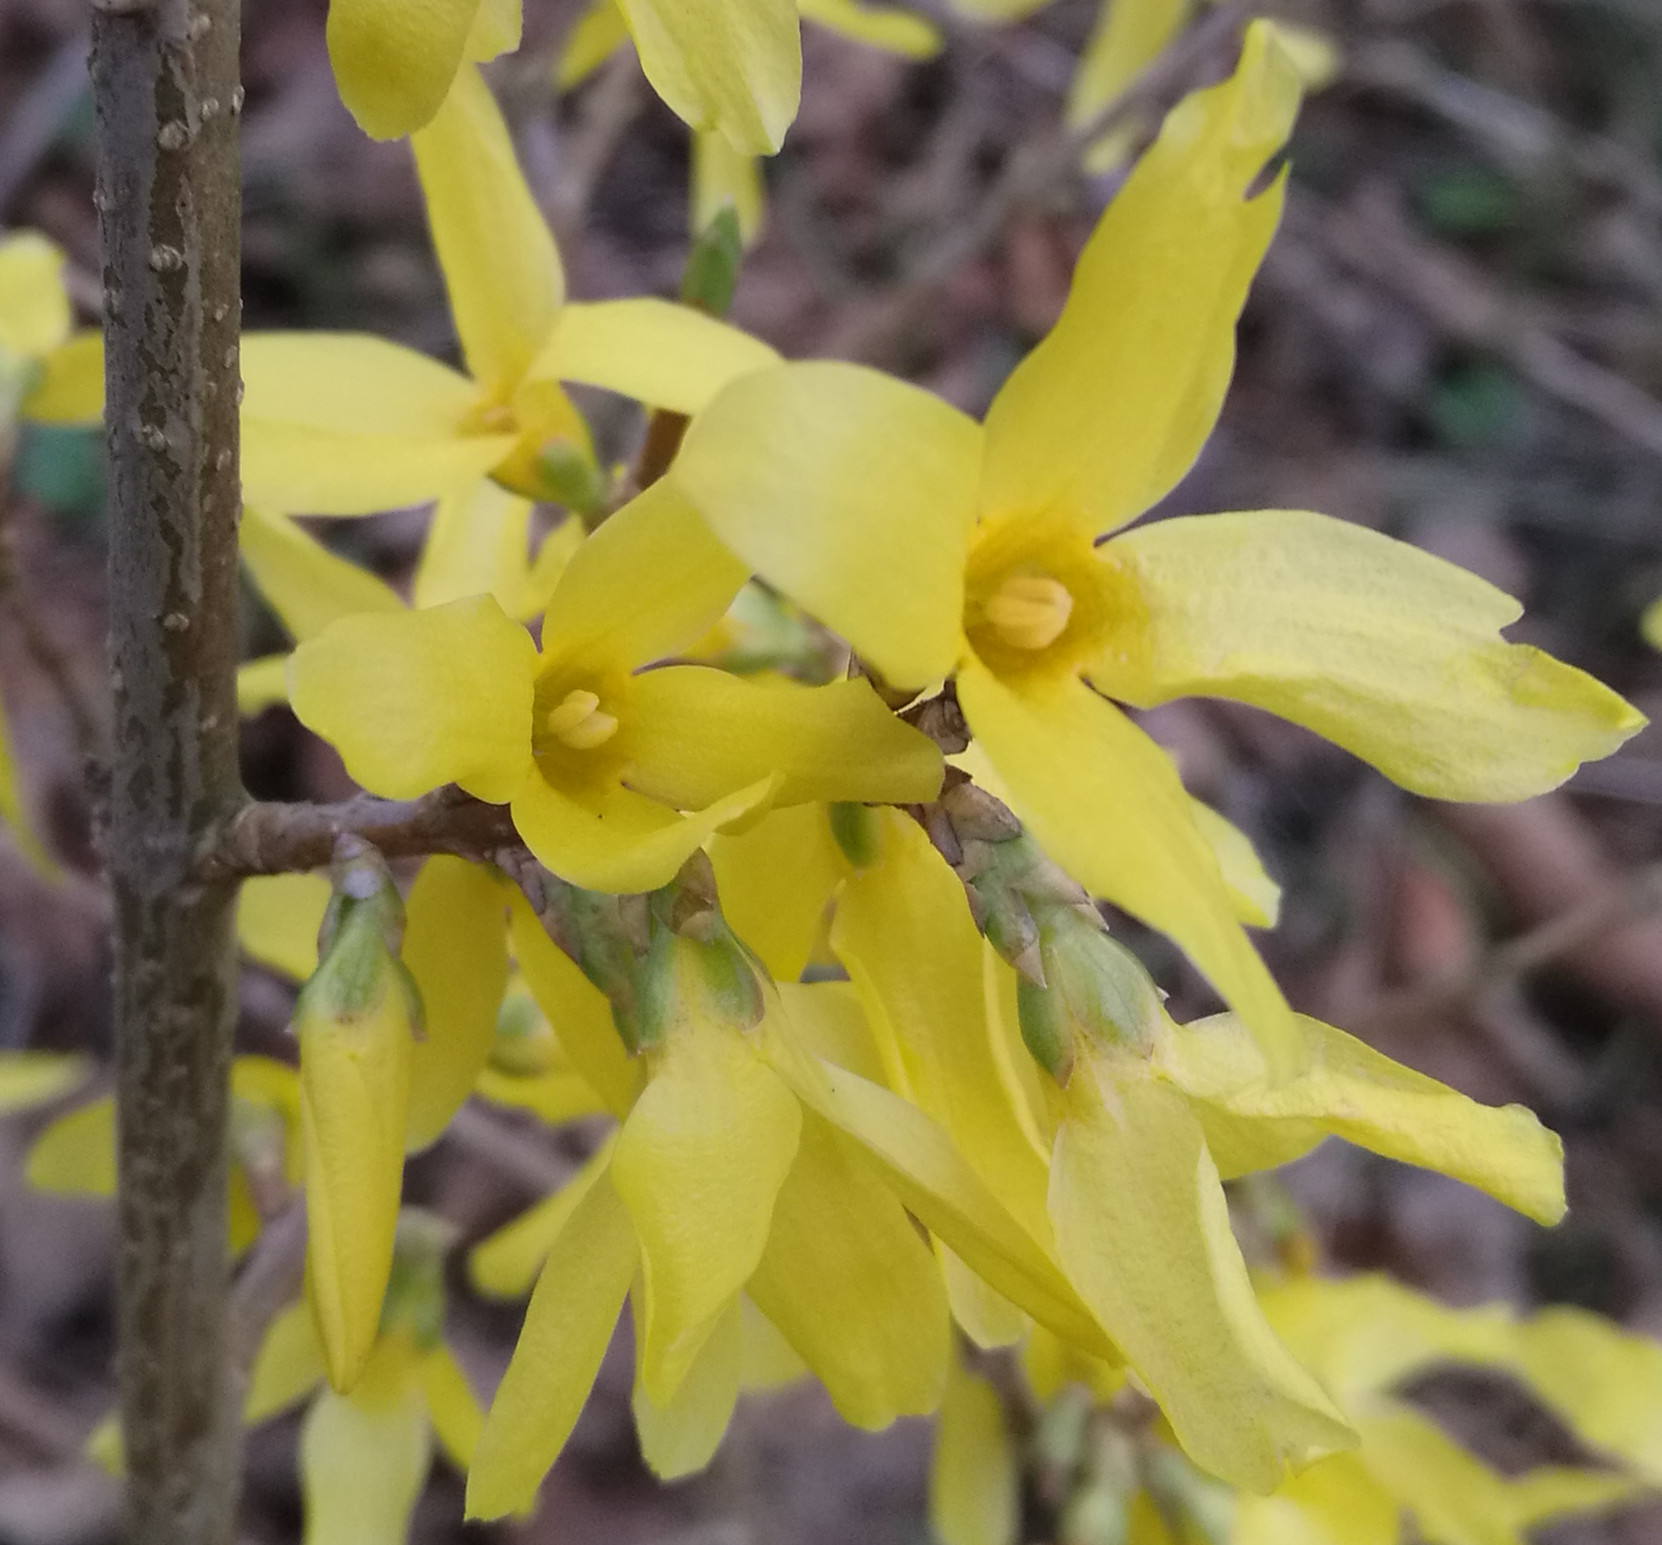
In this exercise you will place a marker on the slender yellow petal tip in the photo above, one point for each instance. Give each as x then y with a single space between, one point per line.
394 60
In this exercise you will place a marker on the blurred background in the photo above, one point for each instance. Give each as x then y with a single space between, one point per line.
1457 339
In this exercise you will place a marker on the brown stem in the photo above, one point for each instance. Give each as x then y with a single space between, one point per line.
167 98
271 838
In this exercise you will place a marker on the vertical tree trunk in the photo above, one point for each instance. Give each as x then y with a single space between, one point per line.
165 80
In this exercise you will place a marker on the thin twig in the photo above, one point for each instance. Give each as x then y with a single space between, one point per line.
274 838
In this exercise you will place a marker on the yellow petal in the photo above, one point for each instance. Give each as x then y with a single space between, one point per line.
730 65
1334 1502
776 881
851 492
696 734
1104 417
75 1155
924 1168
698 1164
1603 1381
456 948
31 1078
657 352
71 387
767 1361
723 178
893 30
622 842
974 1480
1346 1088
506 1263
346 424
987 1317
1256 896
1128 37
568 1327
34 306
904 931
851 1286
1143 1230
278 917
354 1101
501 268
682 1437
648 583
364 1460
412 700
826 1019
479 543
1106 804
274 1087
1390 652
452 1407
594 37
395 59
302 581
575 1008
554 1098
262 684
1553 1491
288 1366
1651 624
496 29
997 10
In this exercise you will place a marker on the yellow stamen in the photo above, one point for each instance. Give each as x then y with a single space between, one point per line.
1030 611
579 723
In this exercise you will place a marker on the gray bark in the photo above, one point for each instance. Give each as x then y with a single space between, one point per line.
166 89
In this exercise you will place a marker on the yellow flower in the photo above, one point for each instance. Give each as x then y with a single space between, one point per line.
939 547
730 129
718 1191
394 61
598 758
349 424
56 374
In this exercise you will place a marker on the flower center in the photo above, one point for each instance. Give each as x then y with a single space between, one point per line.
580 722
1029 611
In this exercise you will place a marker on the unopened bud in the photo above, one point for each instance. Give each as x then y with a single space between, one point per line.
712 272
566 474
858 832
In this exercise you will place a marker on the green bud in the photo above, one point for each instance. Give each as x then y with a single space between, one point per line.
712 272
569 476
415 1299
858 832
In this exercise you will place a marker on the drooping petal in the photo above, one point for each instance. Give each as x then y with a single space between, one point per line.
734 66
346 424
776 881
851 1286
1394 654
501 267
659 353
1257 897
567 1328
575 1008
412 700
594 37
1334 1502
301 580
767 1361
904 931
71 386
851 492
826 1020
35 315
364 1457
506 1264
496 29
288 1366
395 59
1111 409
621 842
882 26
974 1481
682 1437
1127 38
929 1175
452 1406
456 948
1143 1230
1106 804
479 543
696 733
699 1163
278 916
1345 1088
652 580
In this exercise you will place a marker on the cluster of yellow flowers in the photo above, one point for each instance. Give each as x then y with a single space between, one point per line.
815 748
